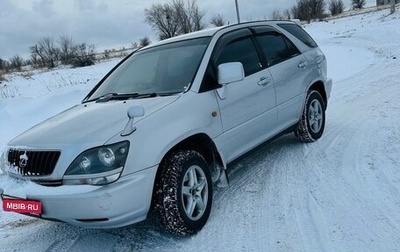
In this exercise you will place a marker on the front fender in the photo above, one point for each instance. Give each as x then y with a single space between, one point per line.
160 132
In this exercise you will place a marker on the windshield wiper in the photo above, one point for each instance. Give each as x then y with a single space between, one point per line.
116 96
126 96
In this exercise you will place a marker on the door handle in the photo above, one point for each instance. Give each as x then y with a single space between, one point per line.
303 64
264 81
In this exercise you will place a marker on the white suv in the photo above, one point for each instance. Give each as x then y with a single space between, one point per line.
158 131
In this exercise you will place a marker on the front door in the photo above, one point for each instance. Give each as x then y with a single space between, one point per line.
247 109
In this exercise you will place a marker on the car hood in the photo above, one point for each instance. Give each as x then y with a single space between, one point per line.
87 123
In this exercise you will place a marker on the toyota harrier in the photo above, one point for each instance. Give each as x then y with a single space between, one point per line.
157 132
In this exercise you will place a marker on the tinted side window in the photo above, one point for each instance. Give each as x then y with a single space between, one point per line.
274 48
241 50
292 48
299 33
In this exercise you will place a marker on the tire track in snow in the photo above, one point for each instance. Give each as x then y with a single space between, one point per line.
352 135
239 205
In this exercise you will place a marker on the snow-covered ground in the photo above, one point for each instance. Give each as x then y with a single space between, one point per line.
341 193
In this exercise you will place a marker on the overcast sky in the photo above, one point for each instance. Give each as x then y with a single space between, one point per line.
105 23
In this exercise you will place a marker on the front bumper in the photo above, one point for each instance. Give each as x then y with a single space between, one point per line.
118 204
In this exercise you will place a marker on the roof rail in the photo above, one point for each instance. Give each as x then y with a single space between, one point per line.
297 21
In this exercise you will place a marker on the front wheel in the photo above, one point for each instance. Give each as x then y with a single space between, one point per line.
312 123
183 193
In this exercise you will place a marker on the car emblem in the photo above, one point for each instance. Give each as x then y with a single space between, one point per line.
23 160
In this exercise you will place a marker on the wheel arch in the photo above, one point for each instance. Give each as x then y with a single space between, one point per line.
319 86
203 144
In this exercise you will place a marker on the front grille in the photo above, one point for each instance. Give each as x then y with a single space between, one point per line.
33 163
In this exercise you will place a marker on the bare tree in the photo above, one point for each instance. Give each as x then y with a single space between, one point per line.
188 15
67 49
317 8
3 64
218 20
85 55
287 14
16 62
37 57
45 53
301 10
135 45
336 7
145 41
170 20
358 4
163 19
308 9
50 51
36 61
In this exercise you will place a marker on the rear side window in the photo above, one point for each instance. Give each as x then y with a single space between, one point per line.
299 33
275 48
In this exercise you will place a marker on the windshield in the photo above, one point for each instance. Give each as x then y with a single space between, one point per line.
165 69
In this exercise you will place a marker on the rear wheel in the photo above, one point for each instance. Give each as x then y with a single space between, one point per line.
184 193
312 123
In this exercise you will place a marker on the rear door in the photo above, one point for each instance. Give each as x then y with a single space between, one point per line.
289 70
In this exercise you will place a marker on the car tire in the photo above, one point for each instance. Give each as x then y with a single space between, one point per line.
183 193
312 123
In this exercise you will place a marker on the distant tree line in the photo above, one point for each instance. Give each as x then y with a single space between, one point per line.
14 63
184 16
307 10
49 53
168 20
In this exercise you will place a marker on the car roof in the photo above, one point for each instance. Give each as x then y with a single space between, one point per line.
209 32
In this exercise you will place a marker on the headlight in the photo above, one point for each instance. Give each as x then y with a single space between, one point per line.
98 166
106 156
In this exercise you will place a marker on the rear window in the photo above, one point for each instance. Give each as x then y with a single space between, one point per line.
299 33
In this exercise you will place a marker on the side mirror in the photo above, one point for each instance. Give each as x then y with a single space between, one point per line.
230 72
134 111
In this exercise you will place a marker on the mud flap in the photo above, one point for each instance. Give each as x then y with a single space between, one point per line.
223 179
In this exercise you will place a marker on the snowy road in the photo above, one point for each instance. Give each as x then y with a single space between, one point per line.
338 194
